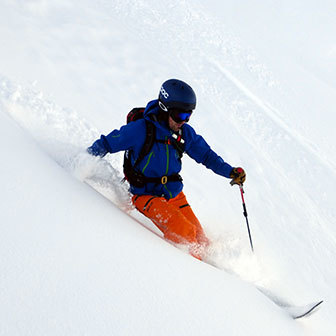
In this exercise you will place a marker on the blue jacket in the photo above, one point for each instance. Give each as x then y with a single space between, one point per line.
163 158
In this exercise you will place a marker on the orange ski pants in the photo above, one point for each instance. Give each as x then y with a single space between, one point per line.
175 219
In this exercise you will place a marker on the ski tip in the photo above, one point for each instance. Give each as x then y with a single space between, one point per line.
311 309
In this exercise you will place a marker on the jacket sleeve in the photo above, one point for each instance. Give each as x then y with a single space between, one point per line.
198 149
128 137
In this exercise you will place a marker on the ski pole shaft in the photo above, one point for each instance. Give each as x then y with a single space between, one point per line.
245 214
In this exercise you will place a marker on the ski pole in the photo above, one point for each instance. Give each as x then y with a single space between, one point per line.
245 214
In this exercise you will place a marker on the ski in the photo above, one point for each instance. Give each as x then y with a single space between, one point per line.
299 312
295 312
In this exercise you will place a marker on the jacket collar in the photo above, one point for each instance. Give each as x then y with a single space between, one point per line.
151 113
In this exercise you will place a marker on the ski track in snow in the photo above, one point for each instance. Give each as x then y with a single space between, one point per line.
275 116
260 129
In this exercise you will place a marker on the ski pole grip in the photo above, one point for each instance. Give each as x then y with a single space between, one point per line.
232 182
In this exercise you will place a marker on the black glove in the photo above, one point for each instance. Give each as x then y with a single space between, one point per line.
238 176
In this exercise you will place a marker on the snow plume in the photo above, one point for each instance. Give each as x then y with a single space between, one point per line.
63 134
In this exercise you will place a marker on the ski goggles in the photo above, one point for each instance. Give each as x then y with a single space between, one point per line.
179 115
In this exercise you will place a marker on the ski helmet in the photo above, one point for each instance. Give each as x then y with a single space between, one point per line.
175 93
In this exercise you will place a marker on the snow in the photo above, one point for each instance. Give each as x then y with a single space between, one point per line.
73 263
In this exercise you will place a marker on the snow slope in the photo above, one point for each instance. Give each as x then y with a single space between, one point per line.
71 261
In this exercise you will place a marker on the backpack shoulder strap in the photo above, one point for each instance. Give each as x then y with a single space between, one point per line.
148 144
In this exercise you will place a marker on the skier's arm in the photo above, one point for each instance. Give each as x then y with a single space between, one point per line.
127 137
198 149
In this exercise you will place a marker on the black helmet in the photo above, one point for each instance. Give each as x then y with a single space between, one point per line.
175 93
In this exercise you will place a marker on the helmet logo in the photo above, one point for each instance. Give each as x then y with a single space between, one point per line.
163 107
164 93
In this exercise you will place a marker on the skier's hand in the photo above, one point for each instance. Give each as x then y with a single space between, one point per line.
238 176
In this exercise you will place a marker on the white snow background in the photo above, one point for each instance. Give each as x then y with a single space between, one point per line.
73 263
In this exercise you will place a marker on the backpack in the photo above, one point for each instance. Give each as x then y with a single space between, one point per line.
132 175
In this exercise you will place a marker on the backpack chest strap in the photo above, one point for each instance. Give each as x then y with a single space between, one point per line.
177 141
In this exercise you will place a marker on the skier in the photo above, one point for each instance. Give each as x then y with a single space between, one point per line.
154 176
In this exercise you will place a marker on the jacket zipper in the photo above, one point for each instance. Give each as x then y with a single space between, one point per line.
167 168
